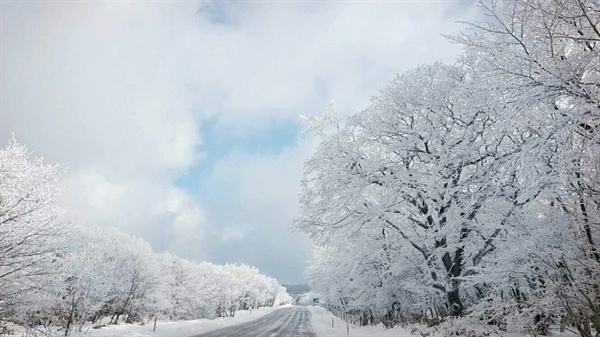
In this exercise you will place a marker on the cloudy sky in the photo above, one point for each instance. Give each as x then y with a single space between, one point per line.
178 120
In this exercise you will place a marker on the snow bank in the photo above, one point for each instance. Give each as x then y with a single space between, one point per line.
321 322
174 328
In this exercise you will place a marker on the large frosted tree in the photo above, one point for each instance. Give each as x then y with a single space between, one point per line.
427 164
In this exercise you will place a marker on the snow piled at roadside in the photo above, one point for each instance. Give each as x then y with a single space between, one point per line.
321 322
174 328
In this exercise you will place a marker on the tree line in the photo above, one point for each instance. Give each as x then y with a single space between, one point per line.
57 275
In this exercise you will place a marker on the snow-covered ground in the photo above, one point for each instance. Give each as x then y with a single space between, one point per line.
321 322
173 328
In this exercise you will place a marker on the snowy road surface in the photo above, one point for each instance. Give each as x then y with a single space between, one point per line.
285 322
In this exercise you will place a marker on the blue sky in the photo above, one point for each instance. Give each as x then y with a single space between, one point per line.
179 120
276 136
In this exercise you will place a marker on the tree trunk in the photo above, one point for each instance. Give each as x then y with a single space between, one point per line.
454 303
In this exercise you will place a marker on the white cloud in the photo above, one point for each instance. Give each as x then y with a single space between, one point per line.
230 234
102 195
189 218
97 83
278 58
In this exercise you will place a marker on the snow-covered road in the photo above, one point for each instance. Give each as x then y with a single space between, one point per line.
285 322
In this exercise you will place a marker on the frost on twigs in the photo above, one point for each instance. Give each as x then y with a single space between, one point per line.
320 124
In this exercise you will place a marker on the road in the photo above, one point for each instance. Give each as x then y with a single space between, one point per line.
285 322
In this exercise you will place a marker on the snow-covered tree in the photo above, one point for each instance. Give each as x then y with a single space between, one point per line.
32 226
427 166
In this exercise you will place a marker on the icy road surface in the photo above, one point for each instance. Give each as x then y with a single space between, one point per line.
285 322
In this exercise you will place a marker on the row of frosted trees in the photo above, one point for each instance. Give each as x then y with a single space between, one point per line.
56 274
469 190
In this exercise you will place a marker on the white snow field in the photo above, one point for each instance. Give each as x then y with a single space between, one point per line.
174 328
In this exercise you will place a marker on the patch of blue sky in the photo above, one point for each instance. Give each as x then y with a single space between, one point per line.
217 12
270 140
